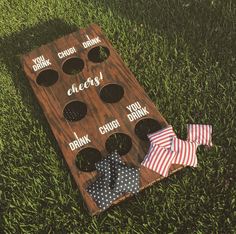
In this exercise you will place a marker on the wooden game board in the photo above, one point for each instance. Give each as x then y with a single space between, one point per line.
86 109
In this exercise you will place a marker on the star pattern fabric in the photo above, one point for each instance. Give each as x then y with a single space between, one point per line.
102 194
108 167
115 179
127 179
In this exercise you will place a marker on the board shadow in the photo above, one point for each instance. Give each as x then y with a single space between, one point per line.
19 43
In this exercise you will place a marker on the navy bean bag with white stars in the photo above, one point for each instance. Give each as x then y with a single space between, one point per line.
115 180
127 179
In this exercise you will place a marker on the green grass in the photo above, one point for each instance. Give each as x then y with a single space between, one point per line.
183 54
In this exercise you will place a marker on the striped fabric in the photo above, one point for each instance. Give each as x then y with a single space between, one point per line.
167 149
185 152
201 133
163 137
159 160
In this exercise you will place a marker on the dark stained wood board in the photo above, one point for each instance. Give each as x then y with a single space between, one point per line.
58 93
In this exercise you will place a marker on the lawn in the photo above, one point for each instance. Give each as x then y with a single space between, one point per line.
183 54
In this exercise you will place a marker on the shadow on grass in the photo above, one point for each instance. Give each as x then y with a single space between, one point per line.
16 44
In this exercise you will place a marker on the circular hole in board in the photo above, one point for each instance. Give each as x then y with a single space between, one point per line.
47 77
120 142
111 93
73 66
86 159
75 111
145 127
98 54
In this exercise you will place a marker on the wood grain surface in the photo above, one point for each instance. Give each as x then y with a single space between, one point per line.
54 97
